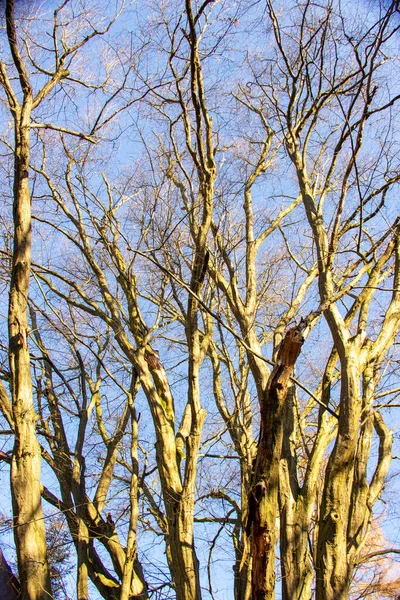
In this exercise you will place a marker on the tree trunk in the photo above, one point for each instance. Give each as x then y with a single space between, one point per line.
29 531
294 516
133 583
263 499
243 562
333 570
178 498
9 584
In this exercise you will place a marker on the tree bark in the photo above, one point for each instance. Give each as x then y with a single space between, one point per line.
333 570
9 584
29 531
295 506
263 499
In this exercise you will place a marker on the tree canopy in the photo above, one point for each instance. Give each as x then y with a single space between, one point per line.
200 267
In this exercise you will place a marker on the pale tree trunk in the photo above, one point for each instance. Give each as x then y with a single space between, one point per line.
348 498
333 570
294 516
243 563
180 514
341 527
242 568
82 572
132 585
29 531
336 551
185 514
83 515
178 495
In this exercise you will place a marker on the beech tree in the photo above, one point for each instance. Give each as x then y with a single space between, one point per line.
214 299
32 76
25 465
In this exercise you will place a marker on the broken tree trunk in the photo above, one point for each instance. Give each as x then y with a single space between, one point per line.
263 497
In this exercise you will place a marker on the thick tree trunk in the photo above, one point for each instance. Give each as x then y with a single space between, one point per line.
294 517
82 578
178 496
332 567
263 500
29 531
183 559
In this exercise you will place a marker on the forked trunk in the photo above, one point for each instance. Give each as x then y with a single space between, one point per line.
263 500
297 572
333 569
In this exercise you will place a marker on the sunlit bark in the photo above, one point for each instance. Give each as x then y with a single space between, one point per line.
29 529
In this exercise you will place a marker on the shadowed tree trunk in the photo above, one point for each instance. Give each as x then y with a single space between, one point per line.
9 584
29 531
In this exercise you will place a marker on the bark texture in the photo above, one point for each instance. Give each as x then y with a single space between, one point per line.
29 531
9 584
263 499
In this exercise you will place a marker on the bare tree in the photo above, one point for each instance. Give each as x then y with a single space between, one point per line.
339 201
242 209
24 95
